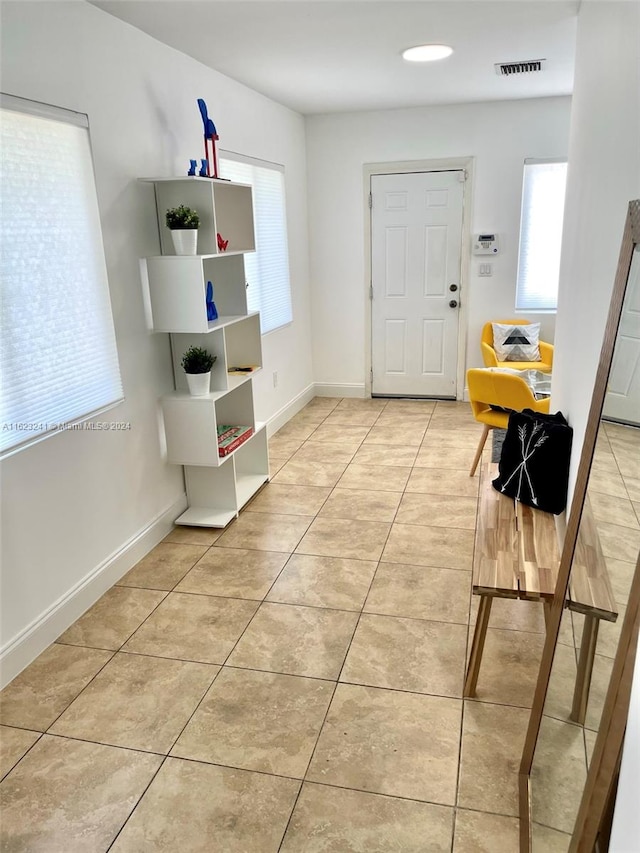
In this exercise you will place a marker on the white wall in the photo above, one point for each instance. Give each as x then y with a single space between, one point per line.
604 175
73 502
498 135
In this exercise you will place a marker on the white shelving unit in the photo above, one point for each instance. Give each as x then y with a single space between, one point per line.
217 487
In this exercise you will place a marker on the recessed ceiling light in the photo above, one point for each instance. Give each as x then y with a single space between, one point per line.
427 52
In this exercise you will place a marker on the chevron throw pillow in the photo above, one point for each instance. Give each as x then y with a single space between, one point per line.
516 343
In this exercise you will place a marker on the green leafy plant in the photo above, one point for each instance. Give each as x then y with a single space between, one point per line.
182 218
197 360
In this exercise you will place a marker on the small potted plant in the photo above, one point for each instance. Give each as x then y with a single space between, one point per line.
183 222
197 364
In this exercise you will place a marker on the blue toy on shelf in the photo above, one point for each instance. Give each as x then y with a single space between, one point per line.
193 165
204 169
212 311
210 138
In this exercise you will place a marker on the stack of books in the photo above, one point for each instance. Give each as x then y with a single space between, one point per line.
230 437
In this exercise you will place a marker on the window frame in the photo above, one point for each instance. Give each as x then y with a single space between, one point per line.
525 297
46 416
256 304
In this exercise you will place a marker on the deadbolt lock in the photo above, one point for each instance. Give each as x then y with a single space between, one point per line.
453 304
453 287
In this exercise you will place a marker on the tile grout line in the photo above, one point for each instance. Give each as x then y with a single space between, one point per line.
165 756
462 704
135 630
330 703
322 678
321 727
370 585
464 676
37 740
349 648
137 803
93 677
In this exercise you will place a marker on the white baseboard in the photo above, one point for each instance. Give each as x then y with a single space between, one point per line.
292 408
324 389
34 639
317 389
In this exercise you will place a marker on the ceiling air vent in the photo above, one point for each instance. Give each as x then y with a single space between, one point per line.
504 69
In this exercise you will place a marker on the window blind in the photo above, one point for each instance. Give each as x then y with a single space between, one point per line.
543 191
267 270
58 353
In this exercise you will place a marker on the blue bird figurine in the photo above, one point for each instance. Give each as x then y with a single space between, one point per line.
212 311
210 137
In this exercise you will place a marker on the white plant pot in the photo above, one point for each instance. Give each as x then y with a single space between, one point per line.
185 241
198 383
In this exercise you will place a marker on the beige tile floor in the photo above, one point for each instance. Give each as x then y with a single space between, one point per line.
293 682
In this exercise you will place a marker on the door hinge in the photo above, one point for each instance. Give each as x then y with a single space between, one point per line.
371 292
371 374
462 177
370 201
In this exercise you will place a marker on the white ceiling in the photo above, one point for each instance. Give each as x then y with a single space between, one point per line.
320 56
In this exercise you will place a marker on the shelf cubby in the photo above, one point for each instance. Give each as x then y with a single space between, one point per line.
213 342
217 487
212 496
216 495
235 341
190 423
243 344
224 208
177 288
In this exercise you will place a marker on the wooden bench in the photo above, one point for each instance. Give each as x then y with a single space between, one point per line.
516 556
590 593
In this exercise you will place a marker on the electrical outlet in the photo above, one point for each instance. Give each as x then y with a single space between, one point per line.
275 378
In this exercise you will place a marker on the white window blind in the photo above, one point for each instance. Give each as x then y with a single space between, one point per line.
58 353
267 270
543 190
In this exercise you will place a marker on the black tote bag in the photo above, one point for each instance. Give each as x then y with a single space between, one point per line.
534 463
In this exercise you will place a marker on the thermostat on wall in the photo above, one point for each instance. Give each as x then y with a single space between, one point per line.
485 244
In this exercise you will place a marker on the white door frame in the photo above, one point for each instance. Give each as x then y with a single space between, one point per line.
446 165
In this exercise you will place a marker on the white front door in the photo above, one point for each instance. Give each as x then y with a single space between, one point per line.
416 236
622 402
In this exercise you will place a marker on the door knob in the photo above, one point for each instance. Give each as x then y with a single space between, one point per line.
453 303
453 287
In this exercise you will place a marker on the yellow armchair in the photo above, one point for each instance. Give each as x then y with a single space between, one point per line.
491 360
489 388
